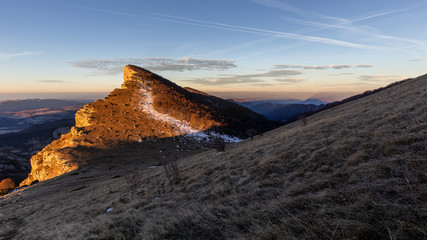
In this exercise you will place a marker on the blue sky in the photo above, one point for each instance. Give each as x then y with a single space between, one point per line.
233 48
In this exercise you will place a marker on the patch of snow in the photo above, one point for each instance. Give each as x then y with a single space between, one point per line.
182 127
201 136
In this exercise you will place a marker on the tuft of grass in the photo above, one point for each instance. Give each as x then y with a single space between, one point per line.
218 143
134 181
170 167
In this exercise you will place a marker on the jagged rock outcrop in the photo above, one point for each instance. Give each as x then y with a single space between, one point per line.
147 106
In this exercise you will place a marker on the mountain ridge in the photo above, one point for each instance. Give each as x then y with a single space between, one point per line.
147 106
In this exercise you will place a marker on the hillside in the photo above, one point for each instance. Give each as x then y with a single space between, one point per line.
147 107
355 171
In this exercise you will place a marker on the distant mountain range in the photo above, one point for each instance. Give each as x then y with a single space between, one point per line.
285 110
35 104
18 115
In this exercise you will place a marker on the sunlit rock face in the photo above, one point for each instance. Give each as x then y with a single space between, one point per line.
83 116
52 161
146 106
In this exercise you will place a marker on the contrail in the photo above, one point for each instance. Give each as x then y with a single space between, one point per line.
236 28
271 32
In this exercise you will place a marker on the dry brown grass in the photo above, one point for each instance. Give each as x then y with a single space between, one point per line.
171 168
356 171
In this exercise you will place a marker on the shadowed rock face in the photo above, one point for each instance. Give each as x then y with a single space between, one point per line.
147 106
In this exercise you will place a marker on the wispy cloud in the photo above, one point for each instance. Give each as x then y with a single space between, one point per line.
115 66
417 42
381 78
321 67
236 28
272 33
218 81
340 74
379 14
7 56
50 81
280 76
345 21
278 5
342 25
288 80
417 60
350 25
273 73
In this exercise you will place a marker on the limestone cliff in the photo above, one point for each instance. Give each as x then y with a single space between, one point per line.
147 106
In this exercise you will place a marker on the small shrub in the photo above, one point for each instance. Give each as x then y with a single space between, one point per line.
303 118
6 185
153 187
170 166
218 143
134 181
251 133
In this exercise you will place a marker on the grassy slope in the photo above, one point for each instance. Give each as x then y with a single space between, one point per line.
356 171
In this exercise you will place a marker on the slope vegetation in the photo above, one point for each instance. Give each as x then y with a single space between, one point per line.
355 171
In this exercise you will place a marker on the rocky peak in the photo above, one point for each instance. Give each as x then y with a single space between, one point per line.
136 76
139 77
147 106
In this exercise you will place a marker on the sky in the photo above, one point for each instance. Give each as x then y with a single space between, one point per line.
250 49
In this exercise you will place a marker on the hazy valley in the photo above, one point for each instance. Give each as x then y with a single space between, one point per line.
18 115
